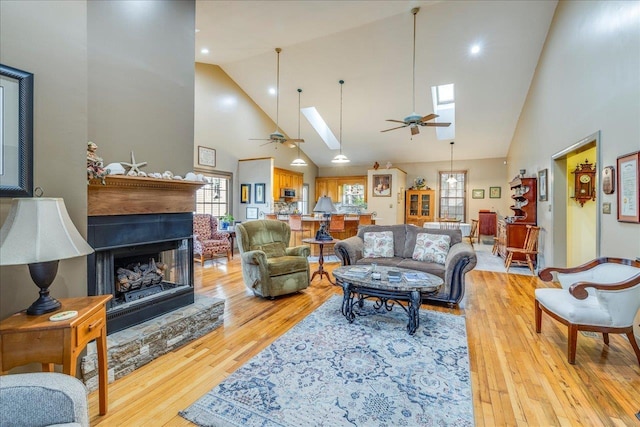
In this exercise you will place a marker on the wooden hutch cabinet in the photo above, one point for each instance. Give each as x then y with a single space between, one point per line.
488 222
419 206
512 230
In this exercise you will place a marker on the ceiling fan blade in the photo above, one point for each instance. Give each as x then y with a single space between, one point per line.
295 140
429 117
396 121
415 130
259 139
267 143
441 125
387 130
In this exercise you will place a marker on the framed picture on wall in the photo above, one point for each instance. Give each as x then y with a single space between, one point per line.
495 192
245 193
252 213
629 187
382 185
259 193
542 185
206 156
477 194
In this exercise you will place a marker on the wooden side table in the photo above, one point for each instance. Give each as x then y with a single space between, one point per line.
31 339
320 271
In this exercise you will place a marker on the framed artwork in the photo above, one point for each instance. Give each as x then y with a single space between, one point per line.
542 186
629 188
477 194
206 156
495 192
245 193
608 180
16 132
382 185
252 213
258 193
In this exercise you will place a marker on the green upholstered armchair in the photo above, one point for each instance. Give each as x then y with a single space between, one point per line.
269 267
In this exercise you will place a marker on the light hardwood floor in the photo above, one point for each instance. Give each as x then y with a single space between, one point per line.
518 377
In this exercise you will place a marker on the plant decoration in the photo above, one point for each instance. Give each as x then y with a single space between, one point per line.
226 220
95 166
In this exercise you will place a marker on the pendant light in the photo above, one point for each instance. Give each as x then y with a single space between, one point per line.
299 161
452 179
340 158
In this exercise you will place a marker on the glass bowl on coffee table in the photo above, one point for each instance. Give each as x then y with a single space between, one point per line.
394 287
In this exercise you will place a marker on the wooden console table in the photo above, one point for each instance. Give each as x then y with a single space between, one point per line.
28 339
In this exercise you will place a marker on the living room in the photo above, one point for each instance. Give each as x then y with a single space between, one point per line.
116 94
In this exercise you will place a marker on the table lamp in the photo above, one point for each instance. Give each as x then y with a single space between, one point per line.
39 232
326 207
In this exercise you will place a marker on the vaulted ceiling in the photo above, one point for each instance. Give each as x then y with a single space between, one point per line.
369 45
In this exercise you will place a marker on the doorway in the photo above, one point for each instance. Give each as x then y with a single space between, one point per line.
576 237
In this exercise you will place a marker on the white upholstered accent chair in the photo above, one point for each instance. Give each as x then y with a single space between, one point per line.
602 295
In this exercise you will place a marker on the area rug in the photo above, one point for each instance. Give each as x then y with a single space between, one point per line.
328 372
486 261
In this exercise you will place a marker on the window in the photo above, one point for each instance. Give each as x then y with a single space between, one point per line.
214 197
452 195
445 94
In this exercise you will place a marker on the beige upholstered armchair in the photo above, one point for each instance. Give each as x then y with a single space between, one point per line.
602 295
207 240
269 267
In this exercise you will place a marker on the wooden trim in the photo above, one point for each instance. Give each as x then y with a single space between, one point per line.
126 195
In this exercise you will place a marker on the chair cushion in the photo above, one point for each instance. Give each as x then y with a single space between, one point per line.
378 244
431 248
583 312
272 250
279 266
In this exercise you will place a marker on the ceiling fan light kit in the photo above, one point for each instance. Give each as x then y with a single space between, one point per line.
340 158
299 161
414 120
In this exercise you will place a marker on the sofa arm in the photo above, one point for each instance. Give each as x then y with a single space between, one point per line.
43 398
350 250
460 260
302 250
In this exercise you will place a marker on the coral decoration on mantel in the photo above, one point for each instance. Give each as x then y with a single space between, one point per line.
129 195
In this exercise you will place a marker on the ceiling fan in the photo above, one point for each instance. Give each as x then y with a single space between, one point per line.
278 137
414 120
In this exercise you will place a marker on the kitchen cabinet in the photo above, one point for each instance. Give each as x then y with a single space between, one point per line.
419 206
283 178
334 186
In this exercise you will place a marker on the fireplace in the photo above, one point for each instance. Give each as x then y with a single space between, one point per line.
142 232
144 261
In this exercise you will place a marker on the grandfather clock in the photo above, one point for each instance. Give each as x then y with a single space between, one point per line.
585 188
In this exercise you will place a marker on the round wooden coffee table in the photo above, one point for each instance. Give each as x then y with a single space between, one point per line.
358 285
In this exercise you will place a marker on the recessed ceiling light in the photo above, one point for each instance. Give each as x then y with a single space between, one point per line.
272 91
475 49
204 50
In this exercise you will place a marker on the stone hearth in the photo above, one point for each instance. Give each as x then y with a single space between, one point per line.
129 349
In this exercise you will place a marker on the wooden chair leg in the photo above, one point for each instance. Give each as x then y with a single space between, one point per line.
202 259
538 312
229 255
573 341
605 338
634 344
507 262
530 264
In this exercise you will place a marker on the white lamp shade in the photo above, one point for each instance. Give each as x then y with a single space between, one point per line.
39 230
325 205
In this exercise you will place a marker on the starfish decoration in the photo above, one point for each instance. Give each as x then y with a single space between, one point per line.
133 166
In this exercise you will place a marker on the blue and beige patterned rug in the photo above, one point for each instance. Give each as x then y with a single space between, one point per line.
327 372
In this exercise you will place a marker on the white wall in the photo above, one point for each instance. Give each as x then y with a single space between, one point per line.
256 171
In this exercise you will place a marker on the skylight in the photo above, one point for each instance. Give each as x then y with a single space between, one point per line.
321 127
444 105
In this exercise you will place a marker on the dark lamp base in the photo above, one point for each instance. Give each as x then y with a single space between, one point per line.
43 274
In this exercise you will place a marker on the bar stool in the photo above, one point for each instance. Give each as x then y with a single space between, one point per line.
364 219
296 226
270 216
336 224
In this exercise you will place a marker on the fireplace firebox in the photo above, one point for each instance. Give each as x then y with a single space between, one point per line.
144 261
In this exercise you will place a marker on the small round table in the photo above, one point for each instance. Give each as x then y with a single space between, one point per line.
320 271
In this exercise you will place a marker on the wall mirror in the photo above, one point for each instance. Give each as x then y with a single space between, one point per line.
16 132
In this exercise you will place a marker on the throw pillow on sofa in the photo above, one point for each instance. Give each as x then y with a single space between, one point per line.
378 244
431 248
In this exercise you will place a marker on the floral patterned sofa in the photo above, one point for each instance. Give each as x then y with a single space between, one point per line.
439 252
207 240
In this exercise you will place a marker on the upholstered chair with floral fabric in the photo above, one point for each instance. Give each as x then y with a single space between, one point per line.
207 240
270 267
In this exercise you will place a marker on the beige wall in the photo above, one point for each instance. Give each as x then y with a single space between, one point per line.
588 79
226 118
98 76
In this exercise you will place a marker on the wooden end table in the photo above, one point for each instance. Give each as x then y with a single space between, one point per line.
28 339
320 271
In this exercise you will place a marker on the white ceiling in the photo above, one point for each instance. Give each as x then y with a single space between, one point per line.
368 44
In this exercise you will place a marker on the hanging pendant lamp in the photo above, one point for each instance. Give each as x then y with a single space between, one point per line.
340 158
299 161
452 179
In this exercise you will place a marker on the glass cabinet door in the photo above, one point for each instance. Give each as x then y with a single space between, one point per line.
413 205
425 203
